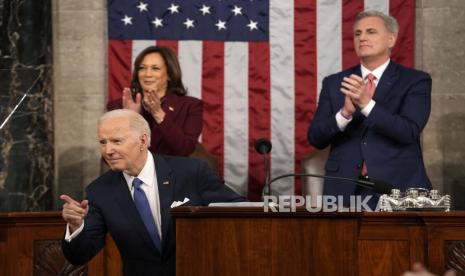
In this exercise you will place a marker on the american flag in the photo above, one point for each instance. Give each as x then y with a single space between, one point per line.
256 64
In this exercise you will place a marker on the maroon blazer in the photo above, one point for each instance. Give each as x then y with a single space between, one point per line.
181 128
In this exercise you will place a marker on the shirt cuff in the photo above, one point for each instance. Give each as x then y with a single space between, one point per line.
69 237
367 109
341 121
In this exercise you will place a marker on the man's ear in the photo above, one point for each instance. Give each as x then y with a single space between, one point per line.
144 140
392 40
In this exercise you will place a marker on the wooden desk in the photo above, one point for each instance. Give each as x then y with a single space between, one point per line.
246 241
30 244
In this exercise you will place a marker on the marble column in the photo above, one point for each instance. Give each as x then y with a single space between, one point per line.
26 139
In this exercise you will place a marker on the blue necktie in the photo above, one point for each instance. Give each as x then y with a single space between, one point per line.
142 205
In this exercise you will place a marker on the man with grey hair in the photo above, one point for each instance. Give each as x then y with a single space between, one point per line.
133 199
372 114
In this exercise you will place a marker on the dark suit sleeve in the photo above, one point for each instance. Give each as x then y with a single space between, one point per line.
89 242
212 189
183 136
324 127
406 125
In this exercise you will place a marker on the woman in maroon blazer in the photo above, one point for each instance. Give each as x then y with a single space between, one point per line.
157 92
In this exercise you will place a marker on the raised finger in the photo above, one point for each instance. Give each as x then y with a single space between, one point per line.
68 199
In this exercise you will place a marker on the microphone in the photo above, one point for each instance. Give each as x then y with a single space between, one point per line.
378 186
263 147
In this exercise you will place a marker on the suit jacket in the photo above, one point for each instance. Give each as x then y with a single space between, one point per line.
388 140
112 210
181 128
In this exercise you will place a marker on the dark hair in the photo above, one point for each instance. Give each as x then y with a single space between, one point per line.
172 67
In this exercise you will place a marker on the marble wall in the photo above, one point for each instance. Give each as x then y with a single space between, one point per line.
26 139
440 48
79 77
79 62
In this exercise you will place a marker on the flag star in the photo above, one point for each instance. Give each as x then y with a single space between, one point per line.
142 6
237 10
189 23
127 20
252 25
157 22
221 25
205 9
174 8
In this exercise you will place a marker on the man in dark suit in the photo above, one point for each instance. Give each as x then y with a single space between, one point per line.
133 200
373 114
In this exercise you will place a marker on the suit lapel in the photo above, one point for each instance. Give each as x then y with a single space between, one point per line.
125 201
166 182
387 81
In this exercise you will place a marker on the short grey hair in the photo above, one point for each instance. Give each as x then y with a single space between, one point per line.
389 21
137 123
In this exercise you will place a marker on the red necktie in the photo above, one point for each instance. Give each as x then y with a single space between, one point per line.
370 87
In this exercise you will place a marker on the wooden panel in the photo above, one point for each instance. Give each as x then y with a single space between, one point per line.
266 246
442 242
49 260
242 245
30 245
383 257
248 241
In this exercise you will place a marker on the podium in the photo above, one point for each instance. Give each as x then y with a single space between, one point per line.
248 241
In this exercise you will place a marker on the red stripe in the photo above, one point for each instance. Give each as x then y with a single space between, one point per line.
350 9
305 77
173 44
213 99
404 12
119 67
259 113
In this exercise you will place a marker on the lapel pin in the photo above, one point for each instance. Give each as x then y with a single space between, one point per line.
170 108
166 183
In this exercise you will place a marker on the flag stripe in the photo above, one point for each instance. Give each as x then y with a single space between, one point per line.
305 77
190 59
350 9
119 60
282 93
213 98
329 39
259 112
172 44
403 51
379 5
236 108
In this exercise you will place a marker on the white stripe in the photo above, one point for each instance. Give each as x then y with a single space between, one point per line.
236 119
379 5
329 61
282 93
137 47
190 58
329 39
